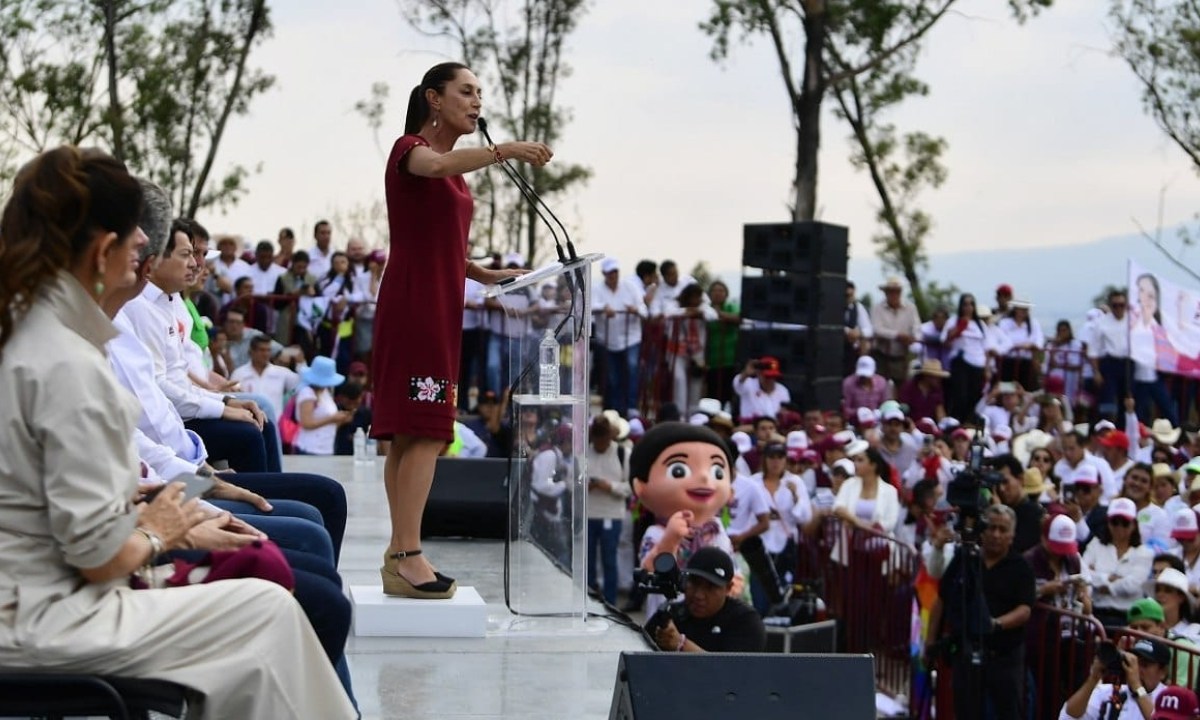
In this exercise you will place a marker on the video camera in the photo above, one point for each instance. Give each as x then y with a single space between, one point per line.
966 492
665 580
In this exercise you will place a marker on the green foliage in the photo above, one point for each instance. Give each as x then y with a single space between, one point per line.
519 58
154 81
1160 41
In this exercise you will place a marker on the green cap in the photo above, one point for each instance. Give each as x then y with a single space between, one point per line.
1146 609
1193 466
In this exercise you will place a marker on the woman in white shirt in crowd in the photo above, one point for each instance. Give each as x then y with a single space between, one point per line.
1025 337
70 535
316 411
1154 524
968 340
1171 591
608 489
789 510
868 500
1117 564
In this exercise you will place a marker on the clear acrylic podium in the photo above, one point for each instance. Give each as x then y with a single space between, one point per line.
547 316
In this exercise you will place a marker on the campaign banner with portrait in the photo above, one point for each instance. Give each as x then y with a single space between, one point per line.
1164 323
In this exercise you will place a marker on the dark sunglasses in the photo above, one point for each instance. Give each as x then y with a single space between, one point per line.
1120 522
1119 306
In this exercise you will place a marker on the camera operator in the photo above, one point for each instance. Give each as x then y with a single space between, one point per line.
708 620
1011 491
1142 671
986 600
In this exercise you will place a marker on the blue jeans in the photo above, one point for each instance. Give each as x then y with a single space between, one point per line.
621 392
240 444
604 535
325 494
271 439
292 525
503 353
1147 393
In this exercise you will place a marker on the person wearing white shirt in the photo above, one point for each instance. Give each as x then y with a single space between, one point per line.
263 377
151 318
265 273
1154 524
789 506
1145 679
316 411
228 268
608 490
1114 447
619 313
1186 532
897 326
368 272
969 341
508 322
760 394
1117 567
1108 354
320 254
1025 337
666 295
1074 449
472 360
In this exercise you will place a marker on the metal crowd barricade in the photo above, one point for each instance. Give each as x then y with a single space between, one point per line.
1059 647
1185 655
868 586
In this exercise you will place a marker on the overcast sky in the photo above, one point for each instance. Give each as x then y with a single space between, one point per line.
1048 144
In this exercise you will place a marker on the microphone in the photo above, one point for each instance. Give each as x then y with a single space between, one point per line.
535 200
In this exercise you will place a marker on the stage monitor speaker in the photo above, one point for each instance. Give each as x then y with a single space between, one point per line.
799 299
469 498
809 248
813 352
723 686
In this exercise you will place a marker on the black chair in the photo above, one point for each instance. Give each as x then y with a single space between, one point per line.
56 696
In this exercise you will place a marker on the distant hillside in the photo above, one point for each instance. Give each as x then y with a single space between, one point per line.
1060 280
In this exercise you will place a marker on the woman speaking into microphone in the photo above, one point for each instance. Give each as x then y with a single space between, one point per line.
418 321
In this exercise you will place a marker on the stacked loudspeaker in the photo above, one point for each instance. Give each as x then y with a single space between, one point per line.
794 291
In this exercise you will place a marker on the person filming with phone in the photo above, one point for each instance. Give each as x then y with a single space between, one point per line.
1125 682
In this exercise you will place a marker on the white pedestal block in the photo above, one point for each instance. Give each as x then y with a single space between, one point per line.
378 615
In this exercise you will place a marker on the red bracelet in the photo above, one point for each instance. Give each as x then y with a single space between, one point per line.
496 154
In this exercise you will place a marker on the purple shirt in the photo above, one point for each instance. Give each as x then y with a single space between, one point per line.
919 404
855 396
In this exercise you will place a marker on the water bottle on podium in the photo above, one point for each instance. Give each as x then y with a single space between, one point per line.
360 447
548 382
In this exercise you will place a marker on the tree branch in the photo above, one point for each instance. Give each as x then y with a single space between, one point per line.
785 64
883 56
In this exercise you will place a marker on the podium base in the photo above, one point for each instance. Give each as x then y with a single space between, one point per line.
378 615
526 626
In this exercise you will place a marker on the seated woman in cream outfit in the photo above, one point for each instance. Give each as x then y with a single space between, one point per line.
70 532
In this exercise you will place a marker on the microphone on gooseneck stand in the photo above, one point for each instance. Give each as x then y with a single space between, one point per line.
534 199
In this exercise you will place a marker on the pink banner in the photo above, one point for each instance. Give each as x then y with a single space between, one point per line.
1164 323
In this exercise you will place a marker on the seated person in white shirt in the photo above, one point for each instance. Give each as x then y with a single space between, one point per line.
263 377
317 411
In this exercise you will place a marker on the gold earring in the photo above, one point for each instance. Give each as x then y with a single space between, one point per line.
435 119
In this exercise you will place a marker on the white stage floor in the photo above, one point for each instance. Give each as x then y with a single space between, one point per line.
528 675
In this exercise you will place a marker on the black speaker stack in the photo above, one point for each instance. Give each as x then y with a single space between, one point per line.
794 291
732 686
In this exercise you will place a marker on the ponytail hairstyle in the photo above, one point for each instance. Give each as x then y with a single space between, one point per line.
418 105
59 200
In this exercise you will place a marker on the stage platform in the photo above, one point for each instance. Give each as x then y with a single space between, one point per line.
526 672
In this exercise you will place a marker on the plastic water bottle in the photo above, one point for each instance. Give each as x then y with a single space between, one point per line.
360 447
548 366
372 449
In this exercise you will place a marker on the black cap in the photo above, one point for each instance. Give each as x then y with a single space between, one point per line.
775 448
712 564
487 396
1152 650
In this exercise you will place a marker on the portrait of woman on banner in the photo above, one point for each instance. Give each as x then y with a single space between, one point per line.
1172 346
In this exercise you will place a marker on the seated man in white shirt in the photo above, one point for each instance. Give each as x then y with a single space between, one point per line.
151 318
262 377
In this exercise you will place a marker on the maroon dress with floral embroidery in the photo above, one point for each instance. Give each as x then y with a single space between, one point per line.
418 322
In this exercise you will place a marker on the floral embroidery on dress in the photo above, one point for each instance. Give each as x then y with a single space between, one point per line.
432 390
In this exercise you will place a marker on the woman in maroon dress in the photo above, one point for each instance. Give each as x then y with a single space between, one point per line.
418 323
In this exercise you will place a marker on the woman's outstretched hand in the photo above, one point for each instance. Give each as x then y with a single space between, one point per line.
534 153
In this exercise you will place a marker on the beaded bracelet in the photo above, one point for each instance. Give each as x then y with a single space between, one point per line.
498 157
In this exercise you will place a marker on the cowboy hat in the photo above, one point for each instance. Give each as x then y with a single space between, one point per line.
933 367
1164 432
